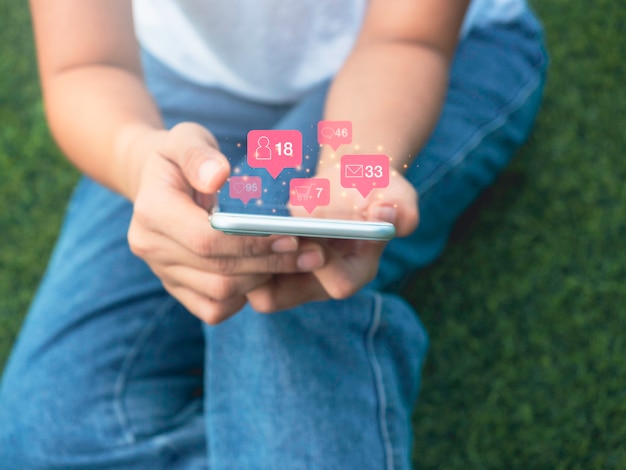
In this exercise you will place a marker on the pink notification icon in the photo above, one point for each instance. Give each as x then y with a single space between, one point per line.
245 188
274 150
365 172
309 192
334 133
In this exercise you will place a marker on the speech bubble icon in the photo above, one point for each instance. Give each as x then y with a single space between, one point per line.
274 150
334 133
309 192
365 172
245 188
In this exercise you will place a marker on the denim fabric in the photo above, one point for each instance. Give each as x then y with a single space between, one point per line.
109 371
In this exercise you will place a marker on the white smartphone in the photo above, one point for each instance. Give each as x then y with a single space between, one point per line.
265 225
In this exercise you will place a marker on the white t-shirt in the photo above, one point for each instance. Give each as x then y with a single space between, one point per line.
267 50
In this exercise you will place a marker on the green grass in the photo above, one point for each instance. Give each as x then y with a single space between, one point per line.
35 180
527 307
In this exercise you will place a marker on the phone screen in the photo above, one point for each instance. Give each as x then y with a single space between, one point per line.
275 187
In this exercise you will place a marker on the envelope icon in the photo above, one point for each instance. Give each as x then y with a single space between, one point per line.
354 171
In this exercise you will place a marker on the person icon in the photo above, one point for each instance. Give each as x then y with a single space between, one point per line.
263 151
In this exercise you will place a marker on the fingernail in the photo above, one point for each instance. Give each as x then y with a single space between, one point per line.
285 245
207 171
386 214
310 260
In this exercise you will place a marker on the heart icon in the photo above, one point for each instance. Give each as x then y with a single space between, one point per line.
327 132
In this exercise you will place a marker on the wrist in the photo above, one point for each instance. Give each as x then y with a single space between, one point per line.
134 144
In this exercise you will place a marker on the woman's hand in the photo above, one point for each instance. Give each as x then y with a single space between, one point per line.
350 264
209 272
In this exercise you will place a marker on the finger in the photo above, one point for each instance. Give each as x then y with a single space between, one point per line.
285 291
163 250
215 287
350 265
396 204
304 260
196 152
207 310
173 214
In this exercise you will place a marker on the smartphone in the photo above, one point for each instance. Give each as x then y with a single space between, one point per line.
265 225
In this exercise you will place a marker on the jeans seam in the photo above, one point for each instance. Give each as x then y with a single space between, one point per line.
511 107
498 122
379 381
126 367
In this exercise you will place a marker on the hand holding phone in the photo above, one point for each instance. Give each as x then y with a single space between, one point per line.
350 263
208 272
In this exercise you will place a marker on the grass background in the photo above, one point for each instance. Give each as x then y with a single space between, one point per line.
527 307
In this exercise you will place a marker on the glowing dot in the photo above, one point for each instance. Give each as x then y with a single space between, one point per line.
357 147
405 165
238 145
379 148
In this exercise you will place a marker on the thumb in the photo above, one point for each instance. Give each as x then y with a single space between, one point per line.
211 171
404 216
397 206
196 152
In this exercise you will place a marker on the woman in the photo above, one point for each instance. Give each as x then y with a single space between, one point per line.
126 359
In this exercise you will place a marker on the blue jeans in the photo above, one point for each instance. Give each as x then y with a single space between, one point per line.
109 371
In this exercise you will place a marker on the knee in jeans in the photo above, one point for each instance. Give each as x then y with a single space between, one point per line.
28 439
41 423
